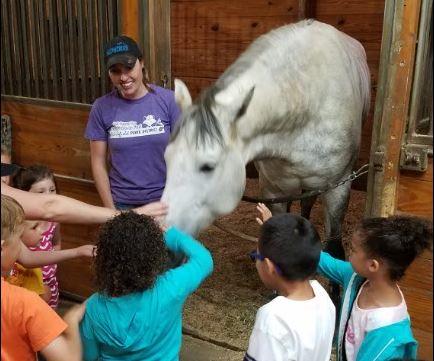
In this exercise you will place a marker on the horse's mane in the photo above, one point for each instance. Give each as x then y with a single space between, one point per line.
206 125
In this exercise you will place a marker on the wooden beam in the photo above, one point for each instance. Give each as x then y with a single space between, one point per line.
157 39
400 32
306 9
129 18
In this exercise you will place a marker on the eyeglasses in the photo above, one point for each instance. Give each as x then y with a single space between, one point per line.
255 255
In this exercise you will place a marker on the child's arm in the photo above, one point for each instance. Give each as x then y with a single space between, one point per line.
30 259
199 265
67 346
334 269
57 239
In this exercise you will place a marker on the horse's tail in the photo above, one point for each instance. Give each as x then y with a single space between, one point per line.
362 76
365 84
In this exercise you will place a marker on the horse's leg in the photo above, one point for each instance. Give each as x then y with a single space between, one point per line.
335 204
268 190
306 205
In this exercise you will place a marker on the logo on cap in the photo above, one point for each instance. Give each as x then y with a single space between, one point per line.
118 48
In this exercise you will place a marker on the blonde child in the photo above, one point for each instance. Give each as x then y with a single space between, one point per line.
28 324
374 323
30 278
40 179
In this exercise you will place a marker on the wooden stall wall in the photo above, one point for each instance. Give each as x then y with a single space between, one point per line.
208 35
415 191
52 133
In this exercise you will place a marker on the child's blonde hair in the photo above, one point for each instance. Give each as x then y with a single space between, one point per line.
12 214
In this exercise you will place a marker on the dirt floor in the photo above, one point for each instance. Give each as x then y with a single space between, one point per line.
223 309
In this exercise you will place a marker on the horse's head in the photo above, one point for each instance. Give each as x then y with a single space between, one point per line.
205 166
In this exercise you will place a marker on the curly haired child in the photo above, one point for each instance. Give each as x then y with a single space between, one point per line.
28 324
374 323
137 312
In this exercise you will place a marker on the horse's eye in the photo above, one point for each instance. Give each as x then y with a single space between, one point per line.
206 168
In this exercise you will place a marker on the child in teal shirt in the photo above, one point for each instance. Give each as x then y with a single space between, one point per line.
374 323
137 312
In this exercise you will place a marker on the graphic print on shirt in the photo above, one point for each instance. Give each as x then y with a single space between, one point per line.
130 129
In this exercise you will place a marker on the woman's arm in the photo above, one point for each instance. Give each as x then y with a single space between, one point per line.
32 259
57 208
57 239
98 157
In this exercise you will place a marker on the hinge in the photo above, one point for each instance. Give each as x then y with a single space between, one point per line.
414 157
378 159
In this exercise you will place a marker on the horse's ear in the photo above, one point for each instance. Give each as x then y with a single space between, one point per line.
227 99
182 95
245 103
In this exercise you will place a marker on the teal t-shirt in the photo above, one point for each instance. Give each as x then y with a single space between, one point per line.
146 325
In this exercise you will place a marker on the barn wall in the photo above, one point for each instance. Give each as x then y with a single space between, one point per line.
415 191
52 133
208 35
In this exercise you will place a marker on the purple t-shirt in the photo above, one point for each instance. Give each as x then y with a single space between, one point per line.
137 132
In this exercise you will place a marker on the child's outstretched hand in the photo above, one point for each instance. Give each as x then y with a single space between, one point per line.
264 212
87 250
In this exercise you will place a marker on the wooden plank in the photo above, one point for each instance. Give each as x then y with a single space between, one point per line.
75 276
129 17
45 137
424 338
158 41
415 197
333 7
419 303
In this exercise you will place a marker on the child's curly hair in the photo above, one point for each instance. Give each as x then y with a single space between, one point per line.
131 253
398 240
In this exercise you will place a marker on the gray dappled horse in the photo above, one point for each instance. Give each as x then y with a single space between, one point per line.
293 102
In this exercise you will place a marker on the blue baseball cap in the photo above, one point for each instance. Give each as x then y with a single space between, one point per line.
121 50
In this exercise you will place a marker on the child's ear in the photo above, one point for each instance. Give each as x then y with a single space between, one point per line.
271 268
374 265
3 241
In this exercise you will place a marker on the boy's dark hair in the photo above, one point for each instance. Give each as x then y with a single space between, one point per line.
131 253
397 240
292 243
26 177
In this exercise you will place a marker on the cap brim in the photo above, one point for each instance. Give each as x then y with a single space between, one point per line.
125 59
9 169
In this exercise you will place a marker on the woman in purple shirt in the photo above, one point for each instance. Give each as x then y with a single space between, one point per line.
129 128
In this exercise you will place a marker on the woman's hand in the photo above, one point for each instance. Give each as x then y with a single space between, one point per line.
155 209
264 212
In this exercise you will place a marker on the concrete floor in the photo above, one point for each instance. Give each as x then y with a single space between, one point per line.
193 349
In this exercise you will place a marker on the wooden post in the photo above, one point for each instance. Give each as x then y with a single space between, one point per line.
158 42
129 18
400 31
306 9
148 22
